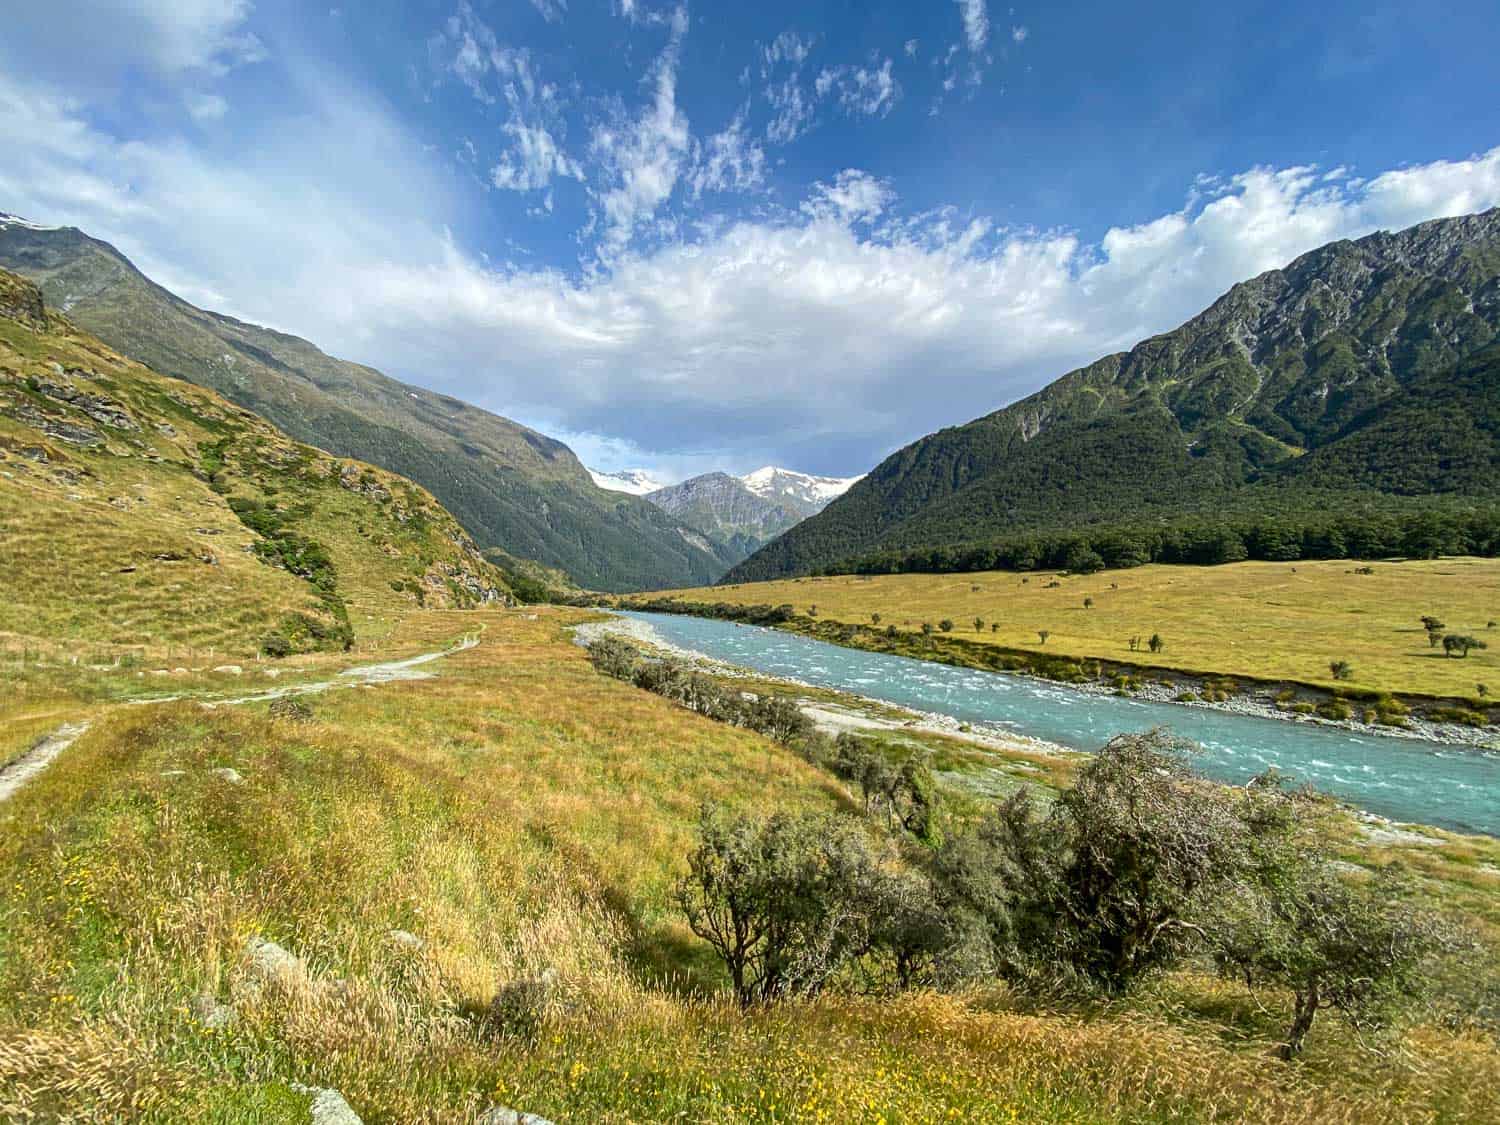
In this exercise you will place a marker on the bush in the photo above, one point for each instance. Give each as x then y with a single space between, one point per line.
785 902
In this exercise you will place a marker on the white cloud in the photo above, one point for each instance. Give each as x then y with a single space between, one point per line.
794 114
643 158
821 336
976 24
205 107
1019 34
788 47
551 10
870 91
911 48
729 161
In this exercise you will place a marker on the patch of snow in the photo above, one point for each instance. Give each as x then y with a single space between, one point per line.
7 220
636 482
772 481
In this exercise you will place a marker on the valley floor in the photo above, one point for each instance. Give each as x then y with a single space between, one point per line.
1269 622
415 846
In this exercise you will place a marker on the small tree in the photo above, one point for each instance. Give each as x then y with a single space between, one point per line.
927 628
1360 951
785 902
1088 603
978 624
1341 670
1434 629
994 626
1461 643
1135 644
1156 644
812 611
1482 689
1044 634
946 625
874 619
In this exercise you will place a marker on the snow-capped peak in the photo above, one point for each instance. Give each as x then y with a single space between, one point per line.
772 481
7 220
637 482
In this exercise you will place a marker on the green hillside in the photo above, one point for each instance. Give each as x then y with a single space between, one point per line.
1338 359
510 486
141 511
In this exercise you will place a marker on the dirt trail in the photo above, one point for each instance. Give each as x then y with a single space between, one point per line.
40 756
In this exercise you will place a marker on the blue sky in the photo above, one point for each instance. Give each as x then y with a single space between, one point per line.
715 236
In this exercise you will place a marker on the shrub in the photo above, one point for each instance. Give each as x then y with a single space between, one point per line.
946 625
1341 670
785 902
1461 643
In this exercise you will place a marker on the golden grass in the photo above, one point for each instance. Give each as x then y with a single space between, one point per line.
520 812
1269 621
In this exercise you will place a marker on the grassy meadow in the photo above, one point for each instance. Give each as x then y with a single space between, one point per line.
520 813
1268 621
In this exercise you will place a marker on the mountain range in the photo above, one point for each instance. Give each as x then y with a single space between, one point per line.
511 487
743 513
137 509
1356 375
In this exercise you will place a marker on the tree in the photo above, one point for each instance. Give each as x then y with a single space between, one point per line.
1461 643
874 619
994 626
1359 950
1115 882
1341 670
946 625
1156 644
1088 603
1044 634
1082 559
1434 629
927 628
784 901
978 624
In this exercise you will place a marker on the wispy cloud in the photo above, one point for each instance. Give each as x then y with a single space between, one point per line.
730 160
869 91
976 24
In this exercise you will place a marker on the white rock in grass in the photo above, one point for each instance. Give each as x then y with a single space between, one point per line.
230 774
271 962
504 1115
328 1106
405 939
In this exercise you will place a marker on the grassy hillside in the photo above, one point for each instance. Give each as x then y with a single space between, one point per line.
1351 351
144 515
1264 620
520 813
510 486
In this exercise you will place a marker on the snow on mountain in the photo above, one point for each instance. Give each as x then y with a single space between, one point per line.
7 220
637 482
787 484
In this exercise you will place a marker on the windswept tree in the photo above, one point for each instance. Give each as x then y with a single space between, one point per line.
1043 634
1434 629
1461 643
946 625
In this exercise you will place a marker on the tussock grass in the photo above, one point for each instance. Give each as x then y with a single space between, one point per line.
1269 621
520 813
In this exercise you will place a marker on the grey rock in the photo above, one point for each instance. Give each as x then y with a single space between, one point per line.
328 1106
405 939
211 1014
504 1115
270 961
230 774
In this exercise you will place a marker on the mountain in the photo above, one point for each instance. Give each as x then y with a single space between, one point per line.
510 486
1295 382
807 493
728 512
140 510
635 482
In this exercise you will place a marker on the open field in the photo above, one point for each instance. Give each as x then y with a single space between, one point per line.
518 813
1270 621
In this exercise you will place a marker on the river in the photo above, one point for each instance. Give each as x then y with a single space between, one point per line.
1404 779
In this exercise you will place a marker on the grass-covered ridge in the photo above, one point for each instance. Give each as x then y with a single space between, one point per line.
140 511
521 813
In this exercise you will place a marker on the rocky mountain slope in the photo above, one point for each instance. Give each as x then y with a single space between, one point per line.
511 487
1342 348
721 507
141 510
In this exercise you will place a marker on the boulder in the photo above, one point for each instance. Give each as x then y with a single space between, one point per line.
504 1115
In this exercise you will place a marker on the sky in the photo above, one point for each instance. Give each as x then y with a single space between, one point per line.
690 237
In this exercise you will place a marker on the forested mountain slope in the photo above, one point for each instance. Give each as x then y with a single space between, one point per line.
511 487
141 510
1350 339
